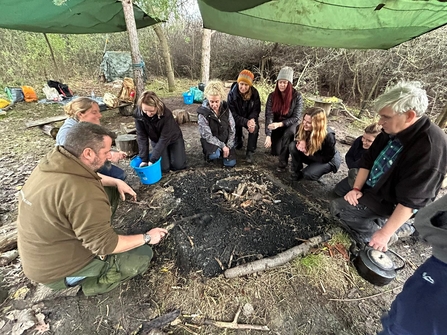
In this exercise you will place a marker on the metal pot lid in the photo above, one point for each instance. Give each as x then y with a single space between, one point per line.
380 259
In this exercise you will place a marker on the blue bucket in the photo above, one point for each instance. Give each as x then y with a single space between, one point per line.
148 174
188 98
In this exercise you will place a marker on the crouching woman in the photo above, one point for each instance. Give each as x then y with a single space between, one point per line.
156 123
314 146
216 125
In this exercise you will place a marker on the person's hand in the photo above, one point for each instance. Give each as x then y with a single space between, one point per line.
251 125
123 188
117 156
143 164
226 151
353 196
379 240
268 142
157 234
274 125
301 146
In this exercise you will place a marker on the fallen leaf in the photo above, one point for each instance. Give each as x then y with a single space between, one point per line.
20 293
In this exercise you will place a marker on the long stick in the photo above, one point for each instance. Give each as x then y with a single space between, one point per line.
277 260
52 57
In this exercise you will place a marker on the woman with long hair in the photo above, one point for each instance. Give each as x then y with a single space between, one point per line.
84 109
155 123
245 105
282 114
216 125
314 146
352 157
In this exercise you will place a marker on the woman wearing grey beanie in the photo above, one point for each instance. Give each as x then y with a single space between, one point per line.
282 114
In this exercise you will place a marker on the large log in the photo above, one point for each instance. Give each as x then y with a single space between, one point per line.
47 120
8 237
277 260
49 130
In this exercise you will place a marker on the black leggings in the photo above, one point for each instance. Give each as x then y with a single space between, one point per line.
174 156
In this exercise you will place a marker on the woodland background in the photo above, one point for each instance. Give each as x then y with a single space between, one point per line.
356 76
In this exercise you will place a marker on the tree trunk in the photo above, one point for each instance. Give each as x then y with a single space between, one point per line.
206 54
134 46
166 56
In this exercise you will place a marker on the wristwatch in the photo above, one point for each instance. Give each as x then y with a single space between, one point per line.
147 238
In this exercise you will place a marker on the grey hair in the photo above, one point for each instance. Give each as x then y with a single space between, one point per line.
85 135
404 96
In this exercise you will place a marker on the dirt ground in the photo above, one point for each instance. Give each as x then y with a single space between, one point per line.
212 231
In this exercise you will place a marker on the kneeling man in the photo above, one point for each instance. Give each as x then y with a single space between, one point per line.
65 237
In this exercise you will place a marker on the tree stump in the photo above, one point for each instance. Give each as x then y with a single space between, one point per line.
180 115
128 144
126 110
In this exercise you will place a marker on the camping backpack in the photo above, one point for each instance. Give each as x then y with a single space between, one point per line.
15 94
62 89
29 94
127 92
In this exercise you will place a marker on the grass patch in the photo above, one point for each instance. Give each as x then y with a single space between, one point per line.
159 85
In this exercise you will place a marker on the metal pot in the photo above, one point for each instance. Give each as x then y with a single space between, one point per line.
375 266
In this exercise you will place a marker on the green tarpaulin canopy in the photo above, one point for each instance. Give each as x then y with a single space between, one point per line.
355 24
71 17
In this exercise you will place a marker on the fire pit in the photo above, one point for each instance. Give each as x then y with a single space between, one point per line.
226 218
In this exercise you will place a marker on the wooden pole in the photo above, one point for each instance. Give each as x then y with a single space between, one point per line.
134 46
58 74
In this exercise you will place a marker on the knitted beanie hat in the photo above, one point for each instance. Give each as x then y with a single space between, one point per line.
286 73
246 76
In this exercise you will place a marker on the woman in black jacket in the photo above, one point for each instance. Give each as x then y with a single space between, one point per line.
216 126
245 106
156 123
282 114
314 146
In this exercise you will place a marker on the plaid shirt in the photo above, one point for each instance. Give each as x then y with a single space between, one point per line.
384 161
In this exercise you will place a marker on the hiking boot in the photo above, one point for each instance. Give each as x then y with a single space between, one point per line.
281 166
249 157
405 230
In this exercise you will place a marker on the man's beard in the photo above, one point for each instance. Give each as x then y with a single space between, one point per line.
96 165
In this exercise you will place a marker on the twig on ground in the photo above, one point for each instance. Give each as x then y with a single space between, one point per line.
220 263
184 232
234 324
231 257
368 297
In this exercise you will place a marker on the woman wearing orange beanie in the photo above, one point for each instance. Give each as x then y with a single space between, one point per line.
245 105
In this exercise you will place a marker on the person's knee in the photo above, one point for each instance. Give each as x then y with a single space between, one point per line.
336 205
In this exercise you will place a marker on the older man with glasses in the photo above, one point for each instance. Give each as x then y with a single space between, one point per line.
401 172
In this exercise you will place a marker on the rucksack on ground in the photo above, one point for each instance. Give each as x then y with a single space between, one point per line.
127 92
62 89
15 94
29 94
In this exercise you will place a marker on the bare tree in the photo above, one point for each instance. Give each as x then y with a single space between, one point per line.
133 39
206 54
166 56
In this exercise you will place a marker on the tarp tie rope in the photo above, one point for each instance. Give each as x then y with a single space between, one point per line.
141 64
